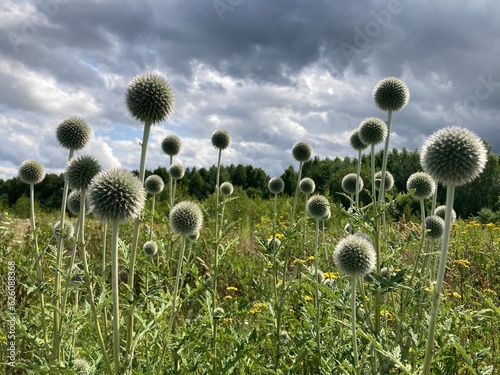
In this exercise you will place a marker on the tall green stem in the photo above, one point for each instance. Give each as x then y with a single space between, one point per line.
135 239
285 269
316 294
376 221
450 193
215 268
57 278
381 196
38 262
353 326
115 291
358 173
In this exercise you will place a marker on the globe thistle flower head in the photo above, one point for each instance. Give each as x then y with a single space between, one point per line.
150 98
73 203
276 185
171 145
186 218
317 206
422 184
349 183
453 156
66 231
307 186
154 184
116 195
389 180
391 94
327 216
302 151
73 133
284 336
226 189
273 244
221 139
356 142
372 131
319 276
176 171
80 171
81 367
434 226
218 312
150 248
354 256
31 172
441 211
194 236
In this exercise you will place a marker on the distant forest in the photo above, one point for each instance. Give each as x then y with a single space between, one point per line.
482 195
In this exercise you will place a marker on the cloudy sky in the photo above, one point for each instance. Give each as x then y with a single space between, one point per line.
271 72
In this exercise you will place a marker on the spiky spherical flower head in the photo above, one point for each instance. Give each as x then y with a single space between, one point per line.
154 184
453 156
73 133
307 185
116 195
273 244
391 94
176 171
150 98
226 189
276 185
302 151
171 145
319 276
150 248
389 180
31 172
372 131
327 216
73 203
422 184
194 236
356 142
218 312
349 183
186 218
66 231
317 206
221 139
80 171
434 226
354 256
81 367
441 212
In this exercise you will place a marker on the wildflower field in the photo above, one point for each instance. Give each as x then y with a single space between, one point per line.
126 280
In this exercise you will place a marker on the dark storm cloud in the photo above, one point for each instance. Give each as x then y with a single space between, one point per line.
271 72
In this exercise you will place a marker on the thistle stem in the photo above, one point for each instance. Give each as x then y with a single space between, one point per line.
353 322
115 291
450 193
215 268
38 262
135 238
57 279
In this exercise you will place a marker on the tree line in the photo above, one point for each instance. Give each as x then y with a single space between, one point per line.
482 193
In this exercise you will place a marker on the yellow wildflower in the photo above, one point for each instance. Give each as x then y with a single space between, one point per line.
455 295
386 314
228 297
232 288
462 263
490 225
308 298
490 291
